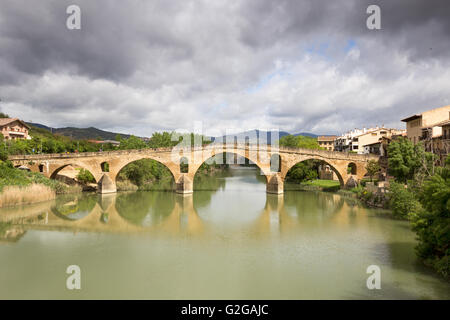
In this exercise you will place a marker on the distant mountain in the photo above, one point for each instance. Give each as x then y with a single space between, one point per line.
81 133
94 133
306 134
38 125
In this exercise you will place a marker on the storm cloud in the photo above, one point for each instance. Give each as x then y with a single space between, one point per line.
143 66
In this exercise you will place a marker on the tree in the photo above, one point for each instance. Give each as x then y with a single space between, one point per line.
372 167
299 142
402 201
405 159
3 115
432 224
303 171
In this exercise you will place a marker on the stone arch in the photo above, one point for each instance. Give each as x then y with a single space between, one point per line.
104 166
184 165
117 166
352 168
265 171
114 172
53 173
334 167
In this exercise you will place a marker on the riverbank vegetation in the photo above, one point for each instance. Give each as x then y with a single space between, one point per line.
24 187
420 193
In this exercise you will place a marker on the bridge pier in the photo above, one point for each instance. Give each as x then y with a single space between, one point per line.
184 185
106 185
275 184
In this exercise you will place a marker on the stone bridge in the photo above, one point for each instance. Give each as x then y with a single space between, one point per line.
274 163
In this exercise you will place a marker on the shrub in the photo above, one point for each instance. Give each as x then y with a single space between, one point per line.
402 201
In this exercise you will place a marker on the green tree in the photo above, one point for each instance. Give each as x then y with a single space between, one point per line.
3 115
405 159
372 167
303 171
402 201
132 143
432 224
299 142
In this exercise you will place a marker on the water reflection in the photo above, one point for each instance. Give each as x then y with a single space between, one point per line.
171 213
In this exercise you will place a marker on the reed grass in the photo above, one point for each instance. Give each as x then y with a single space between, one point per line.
18 195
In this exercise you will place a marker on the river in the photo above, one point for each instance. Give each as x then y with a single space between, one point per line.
227 240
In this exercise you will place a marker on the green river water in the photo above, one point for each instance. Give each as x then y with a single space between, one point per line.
227 240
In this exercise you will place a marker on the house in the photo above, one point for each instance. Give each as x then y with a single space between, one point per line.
365 140
326 142
347 142
14 128
438 144
424 125
376 141
432 128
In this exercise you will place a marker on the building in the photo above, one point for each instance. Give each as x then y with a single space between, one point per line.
376 141
346 142
432 128
326 142
362 141
437 144
14 128
424 125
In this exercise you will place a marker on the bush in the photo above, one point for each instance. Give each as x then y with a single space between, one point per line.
3 154
402 201
10 176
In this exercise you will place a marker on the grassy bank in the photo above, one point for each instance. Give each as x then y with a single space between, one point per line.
23 187
314 185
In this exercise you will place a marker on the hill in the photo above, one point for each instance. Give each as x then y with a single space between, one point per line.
306 134
81 133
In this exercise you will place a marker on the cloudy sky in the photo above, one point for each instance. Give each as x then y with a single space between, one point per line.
143 66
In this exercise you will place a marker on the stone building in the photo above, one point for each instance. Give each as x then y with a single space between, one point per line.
425 125
363 141
326 142
14 128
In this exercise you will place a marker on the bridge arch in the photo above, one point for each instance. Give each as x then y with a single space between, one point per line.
117 170
264 170
336 168
116 165
332 166
54 171
352 169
